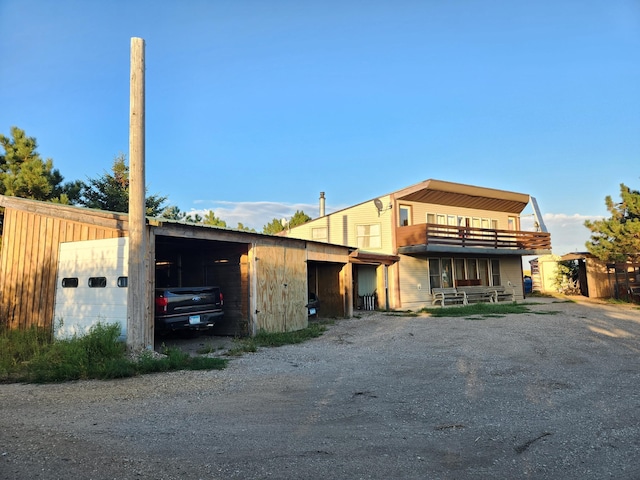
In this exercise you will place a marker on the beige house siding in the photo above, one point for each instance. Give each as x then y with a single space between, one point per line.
544 270
511 274
341 227
414 288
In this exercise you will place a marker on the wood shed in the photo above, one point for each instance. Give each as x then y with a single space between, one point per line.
265 278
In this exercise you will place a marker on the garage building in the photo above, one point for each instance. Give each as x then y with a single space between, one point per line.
265 279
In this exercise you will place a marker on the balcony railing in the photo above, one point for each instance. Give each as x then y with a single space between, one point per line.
448 235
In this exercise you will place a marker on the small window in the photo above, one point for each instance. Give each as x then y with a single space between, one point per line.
70 282
368 236
495 271
319 234
431 218
405 215
97 282
123 282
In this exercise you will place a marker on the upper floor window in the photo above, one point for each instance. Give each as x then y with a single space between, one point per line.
405 215
368 236
512 223
319 234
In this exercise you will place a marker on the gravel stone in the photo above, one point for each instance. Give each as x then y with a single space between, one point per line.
548 394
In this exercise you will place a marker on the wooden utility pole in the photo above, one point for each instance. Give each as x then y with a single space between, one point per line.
139 331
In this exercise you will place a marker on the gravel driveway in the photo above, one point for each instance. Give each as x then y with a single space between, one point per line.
534 395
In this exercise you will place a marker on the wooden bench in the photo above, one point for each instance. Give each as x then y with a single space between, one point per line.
447 295
478 293
505 294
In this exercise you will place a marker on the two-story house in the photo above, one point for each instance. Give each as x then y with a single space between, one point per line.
430 235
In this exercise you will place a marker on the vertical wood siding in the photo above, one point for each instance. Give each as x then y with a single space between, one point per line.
28 269
281 293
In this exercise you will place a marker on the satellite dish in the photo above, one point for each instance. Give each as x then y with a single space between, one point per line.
378 203
284 222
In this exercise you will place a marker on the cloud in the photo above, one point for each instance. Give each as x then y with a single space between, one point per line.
254 214
568 233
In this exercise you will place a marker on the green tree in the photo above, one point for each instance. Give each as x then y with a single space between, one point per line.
24 174
617 238
276 226
111 191
172 212
211 219
245 229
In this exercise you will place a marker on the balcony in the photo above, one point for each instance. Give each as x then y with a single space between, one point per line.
431 237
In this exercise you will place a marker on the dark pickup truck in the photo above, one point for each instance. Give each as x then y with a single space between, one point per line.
187 309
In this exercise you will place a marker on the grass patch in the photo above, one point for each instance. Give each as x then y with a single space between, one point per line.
278 339
478 309
34 356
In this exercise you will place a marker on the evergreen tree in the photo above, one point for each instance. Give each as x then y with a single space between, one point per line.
617 238
245 229
211 219
23 173
276 226
111 191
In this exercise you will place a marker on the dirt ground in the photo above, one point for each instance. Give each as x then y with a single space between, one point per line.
543 395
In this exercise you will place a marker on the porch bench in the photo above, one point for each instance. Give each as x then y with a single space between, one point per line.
447 295
479 293
505 293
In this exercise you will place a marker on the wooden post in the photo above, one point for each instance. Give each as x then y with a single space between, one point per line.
139 331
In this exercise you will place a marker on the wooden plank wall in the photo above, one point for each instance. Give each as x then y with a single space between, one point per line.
281 293
29 260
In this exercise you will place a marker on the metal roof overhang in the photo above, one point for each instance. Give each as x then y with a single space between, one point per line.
467 196
366 258
422 249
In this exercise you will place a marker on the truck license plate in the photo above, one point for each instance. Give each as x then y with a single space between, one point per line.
194 319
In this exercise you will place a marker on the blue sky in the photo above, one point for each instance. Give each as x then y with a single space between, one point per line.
255 107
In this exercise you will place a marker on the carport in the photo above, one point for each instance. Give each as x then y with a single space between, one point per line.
265 279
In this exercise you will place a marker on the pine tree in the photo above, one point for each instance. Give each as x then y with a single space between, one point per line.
111 191
23 173
617 238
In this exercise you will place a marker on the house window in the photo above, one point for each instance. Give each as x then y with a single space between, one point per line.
494 224
123 282
495 272
472 268
319 234
441 272
483 271
368 236
475 222
459 269
434 273
405 215
512 223
431 218
485 223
